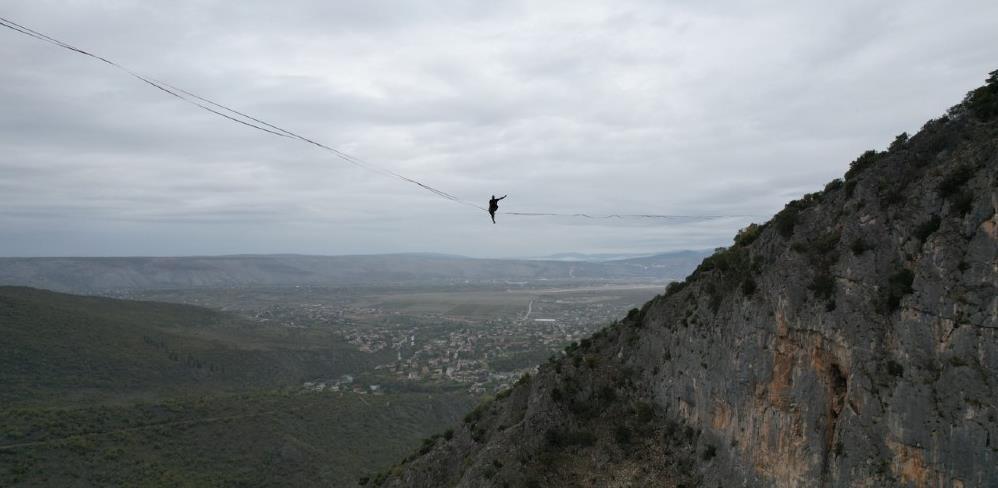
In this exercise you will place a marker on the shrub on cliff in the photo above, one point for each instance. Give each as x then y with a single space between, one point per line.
864 161
983 101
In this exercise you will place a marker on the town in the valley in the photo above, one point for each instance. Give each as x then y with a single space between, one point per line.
477 337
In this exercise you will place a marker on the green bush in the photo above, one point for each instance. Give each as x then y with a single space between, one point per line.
607 395
858 246
962 202
644 411
822 253
634 315
861 163
427 446
786 220
895 368
891 195
953 182
983 102
555 438
825 243
622 434
478 434
669 431
642 313
674 287
898 285
476 414
850 188
691 433
582 409
823 285
726 260
927 228
899 142
709 453
748 235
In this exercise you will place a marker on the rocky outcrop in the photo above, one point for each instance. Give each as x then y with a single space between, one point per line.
850 341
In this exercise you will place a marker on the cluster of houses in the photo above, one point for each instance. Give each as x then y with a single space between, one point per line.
343 383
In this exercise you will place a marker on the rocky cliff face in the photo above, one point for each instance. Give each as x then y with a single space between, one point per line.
850 341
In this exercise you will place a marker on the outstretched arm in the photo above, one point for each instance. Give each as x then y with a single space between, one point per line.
500 198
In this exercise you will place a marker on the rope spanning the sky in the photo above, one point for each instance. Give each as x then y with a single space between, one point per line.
264 126
229 113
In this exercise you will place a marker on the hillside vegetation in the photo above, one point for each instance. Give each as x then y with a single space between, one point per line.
64 347
251 439
108 392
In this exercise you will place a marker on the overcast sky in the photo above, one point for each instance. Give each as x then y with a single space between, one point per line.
665 107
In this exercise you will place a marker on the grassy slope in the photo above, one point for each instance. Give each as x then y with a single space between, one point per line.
254 439
96 391
70 348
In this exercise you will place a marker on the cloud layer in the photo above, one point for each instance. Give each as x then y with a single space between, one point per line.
596 107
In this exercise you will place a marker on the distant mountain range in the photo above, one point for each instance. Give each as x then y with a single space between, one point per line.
95 275
599 258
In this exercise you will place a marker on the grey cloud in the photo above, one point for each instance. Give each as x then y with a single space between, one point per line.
598 107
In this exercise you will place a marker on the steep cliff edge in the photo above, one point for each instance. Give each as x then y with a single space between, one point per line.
850 341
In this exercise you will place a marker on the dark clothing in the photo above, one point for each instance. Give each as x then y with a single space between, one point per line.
494 205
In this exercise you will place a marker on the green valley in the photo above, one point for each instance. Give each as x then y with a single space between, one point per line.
99 391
